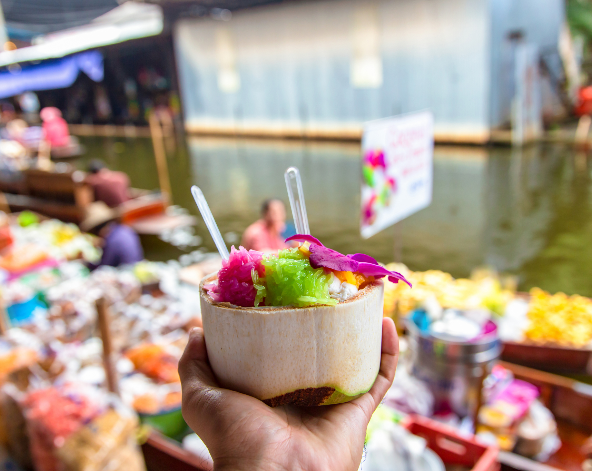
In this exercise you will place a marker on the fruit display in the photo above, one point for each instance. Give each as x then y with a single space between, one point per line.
559 319
60 240
483 290
310 325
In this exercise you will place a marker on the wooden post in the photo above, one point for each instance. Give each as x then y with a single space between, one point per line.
44 156
160 156
104 320
582 130
4 206
4 324
479 403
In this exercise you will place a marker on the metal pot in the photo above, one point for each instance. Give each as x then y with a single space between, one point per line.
453 371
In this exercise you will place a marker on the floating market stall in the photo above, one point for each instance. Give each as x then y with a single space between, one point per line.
62 193
538 329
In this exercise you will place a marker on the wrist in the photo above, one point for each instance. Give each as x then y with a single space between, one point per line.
246 465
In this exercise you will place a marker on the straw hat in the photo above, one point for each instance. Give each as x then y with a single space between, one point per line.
97 213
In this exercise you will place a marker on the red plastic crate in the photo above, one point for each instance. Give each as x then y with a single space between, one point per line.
451 447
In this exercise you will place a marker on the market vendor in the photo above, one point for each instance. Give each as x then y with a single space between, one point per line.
120 244
266 234
110 187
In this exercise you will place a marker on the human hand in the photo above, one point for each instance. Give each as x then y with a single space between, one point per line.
242 433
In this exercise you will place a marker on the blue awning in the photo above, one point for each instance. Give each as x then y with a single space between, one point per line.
49 75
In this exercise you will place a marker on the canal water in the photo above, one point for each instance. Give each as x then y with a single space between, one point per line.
525 212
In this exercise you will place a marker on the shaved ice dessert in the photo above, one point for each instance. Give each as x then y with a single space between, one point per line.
301 327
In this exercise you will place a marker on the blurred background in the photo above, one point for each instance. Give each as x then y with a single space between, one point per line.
111 109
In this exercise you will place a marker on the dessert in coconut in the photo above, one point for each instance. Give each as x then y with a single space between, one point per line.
302 327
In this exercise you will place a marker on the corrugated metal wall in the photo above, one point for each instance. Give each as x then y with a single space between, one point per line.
539 22
285 68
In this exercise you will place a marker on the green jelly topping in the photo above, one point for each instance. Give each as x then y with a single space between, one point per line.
291 281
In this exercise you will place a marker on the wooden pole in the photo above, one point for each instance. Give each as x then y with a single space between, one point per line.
44 156
4 325
582 130
104 320
4 206
479 398
160 156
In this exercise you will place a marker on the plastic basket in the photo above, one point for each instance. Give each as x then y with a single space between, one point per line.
451 447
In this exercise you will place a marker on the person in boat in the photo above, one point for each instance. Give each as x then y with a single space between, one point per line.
242 432
55 127
110 187
267 234
120 244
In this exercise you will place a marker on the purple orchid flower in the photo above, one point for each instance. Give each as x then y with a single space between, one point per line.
321 256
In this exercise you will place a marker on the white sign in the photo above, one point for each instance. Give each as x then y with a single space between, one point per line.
397 170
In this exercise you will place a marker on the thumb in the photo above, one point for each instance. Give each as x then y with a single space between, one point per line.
201 396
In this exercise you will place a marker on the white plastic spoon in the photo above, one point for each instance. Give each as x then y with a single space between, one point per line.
297 204
208 218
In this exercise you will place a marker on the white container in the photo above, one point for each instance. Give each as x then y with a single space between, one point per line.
304 356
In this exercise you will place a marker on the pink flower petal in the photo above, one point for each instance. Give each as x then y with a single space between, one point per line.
321 256
305 238
378 271
360 257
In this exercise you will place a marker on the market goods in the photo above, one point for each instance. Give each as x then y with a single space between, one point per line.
316 340
561 319
155 362
107 442
53 415
482 290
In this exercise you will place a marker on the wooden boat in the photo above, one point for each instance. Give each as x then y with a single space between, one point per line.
571 403
548 357
65 196
551 358
162 453
72 151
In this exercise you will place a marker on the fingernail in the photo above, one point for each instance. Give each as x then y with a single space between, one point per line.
195 332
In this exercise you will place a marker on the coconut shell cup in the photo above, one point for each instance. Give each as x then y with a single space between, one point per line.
308 356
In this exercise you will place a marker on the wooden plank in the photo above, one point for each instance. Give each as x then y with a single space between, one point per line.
553 358
517 462
155 225
161 453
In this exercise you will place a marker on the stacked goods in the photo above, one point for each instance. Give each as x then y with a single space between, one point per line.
107 442
71 429
329 303
53 415
560 319
61 241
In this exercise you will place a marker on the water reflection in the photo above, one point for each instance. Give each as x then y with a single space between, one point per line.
526 211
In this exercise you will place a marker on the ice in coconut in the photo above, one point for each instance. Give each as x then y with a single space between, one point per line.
301 327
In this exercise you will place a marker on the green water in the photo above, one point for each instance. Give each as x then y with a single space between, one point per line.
526 212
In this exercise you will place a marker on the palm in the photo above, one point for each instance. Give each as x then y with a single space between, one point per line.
236 426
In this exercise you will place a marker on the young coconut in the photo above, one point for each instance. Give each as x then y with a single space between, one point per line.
305 356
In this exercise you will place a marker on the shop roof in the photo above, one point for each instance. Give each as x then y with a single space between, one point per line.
131 20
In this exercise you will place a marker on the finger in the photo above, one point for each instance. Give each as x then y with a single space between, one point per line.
194 361
388 365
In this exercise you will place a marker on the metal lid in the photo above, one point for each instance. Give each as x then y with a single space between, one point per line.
481 351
